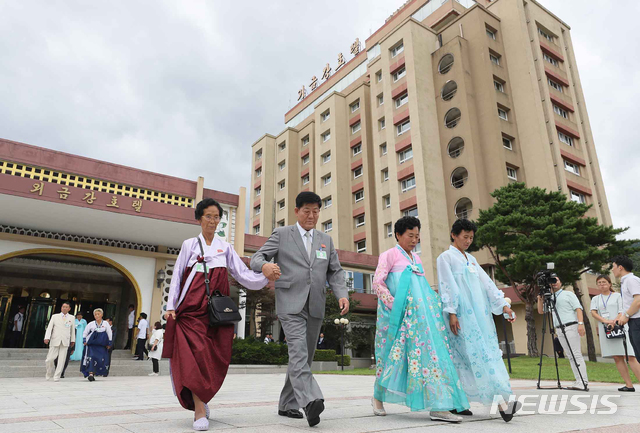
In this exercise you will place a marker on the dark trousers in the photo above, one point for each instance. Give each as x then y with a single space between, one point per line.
634 335
70 350
15 338
141 350
129 338
156 366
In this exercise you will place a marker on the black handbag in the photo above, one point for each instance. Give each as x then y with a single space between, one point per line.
222 310
615 331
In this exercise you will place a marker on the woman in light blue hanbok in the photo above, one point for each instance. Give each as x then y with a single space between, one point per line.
470 297
413 361
80 325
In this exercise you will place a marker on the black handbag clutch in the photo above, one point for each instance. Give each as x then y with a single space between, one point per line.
222 310
615 331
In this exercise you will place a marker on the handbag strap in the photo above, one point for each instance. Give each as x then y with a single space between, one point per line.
206 271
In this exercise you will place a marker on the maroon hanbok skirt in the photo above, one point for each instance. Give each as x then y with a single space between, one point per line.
200 354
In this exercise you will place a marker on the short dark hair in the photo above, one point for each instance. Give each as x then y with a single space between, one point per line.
308 197
143 315
204 204
624 261
110 319
132 306
462 224
157 325
66 302
405 223
79 314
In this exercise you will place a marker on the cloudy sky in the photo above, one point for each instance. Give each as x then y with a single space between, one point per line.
185 87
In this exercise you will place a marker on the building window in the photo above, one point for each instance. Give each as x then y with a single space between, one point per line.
326 136
359 196
560 112
305 180
259 155
565 139
327 226
512 174
378 76
259 172
408 184
355 106
507 143
383 149
282 165
380 99
305 160
449 90
326 202
413 212
281 185
281 223
326 157
382 123
385 174
403 127
550 59
256 230
305 141
282 146
571 167
555 85
502 114
397 50
326 180
281 205
325 116
445 64
256 210
545 35
498 86
388 229
357 149
491 33
386 201
356 127
495 59
359 221
361 246
577 197
357 172
405 155
399 74
400 101
463 208
258 191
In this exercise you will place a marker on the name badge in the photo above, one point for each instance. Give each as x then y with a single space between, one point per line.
605 315
322 255
68 325
472 269
199 267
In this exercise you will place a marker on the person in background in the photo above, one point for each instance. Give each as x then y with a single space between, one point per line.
630 290
321 343
143 334
131 320
156 341
97 342
60 335
113 340
16 333
80 325
267 339
605 307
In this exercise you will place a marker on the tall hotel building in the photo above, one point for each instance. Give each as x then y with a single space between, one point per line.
447 101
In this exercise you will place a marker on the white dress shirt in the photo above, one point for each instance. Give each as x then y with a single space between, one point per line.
19 317
303 232
143 325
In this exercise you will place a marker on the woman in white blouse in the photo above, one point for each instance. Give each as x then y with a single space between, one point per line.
155 353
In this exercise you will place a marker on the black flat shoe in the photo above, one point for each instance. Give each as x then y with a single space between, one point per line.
91 378
465 412
512 408
627 389
313 411
291 413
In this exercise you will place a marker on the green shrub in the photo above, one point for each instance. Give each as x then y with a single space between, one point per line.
253 351
325 355
347 360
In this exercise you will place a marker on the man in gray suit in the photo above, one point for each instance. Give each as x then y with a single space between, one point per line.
305 260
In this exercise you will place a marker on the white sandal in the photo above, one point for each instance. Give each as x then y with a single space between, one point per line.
376 411
201 425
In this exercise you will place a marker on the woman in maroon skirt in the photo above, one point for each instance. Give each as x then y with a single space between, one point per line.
200 354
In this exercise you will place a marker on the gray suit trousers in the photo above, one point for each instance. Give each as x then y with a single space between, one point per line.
300 387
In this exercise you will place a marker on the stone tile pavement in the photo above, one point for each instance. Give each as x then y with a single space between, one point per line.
248 403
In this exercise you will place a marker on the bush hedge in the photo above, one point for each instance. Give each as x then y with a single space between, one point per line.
325 355
347 360
252 351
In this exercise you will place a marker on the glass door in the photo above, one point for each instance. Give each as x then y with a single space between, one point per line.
38 315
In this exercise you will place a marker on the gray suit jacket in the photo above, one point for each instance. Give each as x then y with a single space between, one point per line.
301 277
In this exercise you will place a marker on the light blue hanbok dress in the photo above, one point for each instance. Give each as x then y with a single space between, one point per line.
468 292
413 361
77 353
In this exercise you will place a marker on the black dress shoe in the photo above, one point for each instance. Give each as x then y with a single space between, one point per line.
627 389
291 413
465 412
512 408
313 411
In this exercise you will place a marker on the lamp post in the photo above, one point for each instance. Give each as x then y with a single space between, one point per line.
506 341
342 323
161 276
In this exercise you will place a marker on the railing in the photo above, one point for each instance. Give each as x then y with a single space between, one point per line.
459 183
447 96
464 214
456 152
453 123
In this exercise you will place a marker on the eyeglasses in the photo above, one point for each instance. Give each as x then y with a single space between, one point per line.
212 218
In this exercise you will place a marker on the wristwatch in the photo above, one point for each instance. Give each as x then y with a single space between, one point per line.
627 315
580 323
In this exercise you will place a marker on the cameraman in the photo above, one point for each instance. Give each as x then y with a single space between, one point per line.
570 312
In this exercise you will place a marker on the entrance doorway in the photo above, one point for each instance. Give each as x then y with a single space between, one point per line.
40 283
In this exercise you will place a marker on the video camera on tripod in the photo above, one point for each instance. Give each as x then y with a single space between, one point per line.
545 279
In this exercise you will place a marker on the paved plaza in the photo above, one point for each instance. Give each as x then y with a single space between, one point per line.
247 403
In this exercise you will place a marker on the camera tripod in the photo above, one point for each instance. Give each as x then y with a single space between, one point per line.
549 308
